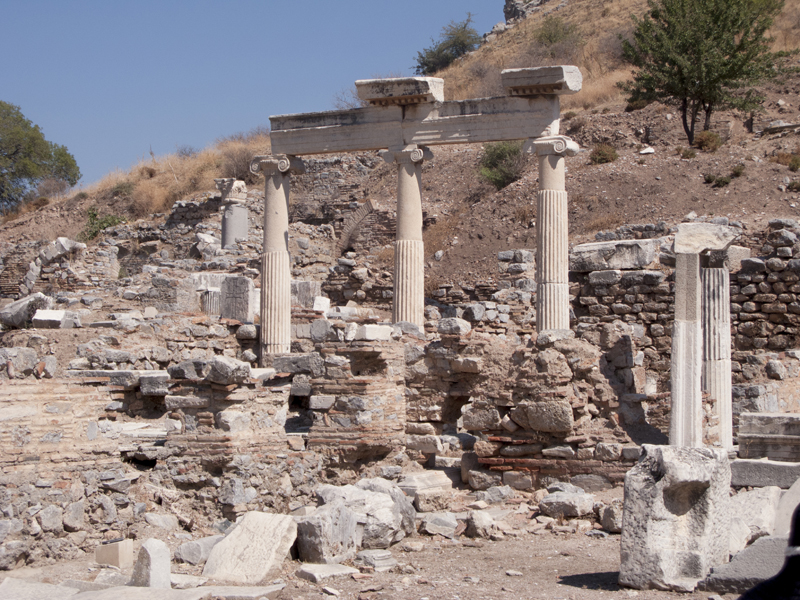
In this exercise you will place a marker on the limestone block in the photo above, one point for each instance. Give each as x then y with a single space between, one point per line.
483 480
236 299
401 90
479 419
611 517
454 326
676 518
440 523
757 509
374 332
189 369
226 371
412 483
786 507
154 383
533 81
427 444
197 552
479 524
316 573
330 535
162 521
432 500
248 331
19 312
257 545
619 254
519 480
567 504
608 452
19 589
553 416
118 554
380 560
694 238
467 364
739 535
233 420
51 518
55 319
495 494
74 516
152 565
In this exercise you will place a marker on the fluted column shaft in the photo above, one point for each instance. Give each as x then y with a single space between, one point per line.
716 321
276 308
409 257
552 234
686 413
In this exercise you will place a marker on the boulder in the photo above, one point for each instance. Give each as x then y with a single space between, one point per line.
224 370
611 517
189 369
19 312
555 416
676 518
257 545
441 523
618 254
454 326
479 524
197 552
152 565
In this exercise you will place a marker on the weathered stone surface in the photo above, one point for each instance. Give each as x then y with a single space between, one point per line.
479 524
257 545
23 361
19 312
611 517
152 565
566 504
553 416
226 371
380 560
154 384
441 523
483 480
756 563
676 517
757 509
197 552
162 521
694 238
332 534
51 518
763 473
189 369
55 319
479 419
19 589
428 444
118 554
432 500
495 494
623 254
74 516
454 326
786 507
316 573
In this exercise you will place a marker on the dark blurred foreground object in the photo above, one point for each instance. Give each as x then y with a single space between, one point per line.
786 584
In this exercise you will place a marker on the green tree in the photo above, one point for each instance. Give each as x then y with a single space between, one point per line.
703 55
27 158
455 40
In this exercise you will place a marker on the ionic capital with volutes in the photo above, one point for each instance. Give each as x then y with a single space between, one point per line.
407 155
557 144
271 164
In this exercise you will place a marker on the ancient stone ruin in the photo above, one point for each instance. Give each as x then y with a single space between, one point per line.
251 385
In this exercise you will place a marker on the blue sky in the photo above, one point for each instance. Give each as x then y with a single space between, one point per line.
111 79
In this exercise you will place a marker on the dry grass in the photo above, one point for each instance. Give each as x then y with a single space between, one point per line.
603 222
599 56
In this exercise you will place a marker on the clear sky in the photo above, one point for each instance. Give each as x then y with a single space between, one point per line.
112 79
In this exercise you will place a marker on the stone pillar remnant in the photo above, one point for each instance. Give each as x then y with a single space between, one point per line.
275 271
716 319
686 413
552 233
234 211
409 255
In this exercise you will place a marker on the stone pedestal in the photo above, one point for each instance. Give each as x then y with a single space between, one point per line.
552 234
409 256
275 271
234 212
236 295
716 320
686 415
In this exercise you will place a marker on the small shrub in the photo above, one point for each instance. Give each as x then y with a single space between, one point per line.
456 40
575 125
236 157
569 115
96 224
642 161
603 153
794 186
502 163
708 141
638 104
554 30
523 215
81 196
709 177
186 151
738 170
721 182
147 171
794 164
123 188
688 153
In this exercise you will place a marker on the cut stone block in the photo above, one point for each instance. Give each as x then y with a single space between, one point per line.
374 332
118 554
316 573
786 507
542 80
21 311
154 383
330 535
152 566
676 517
236 299
544 416
763 473
413 483
55 319
758 509
380 560
400 90
694 238
197 551
621 254
772 435
257 545
441 523
756 563
566 504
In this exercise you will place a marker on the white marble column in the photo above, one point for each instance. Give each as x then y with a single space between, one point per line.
276 309
716 319
234 225
552 233
686 414
409 255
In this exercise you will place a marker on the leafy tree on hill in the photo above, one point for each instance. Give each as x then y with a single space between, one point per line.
457 39
703 55
27 158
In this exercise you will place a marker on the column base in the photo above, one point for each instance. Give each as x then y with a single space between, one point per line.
409 282
276 304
